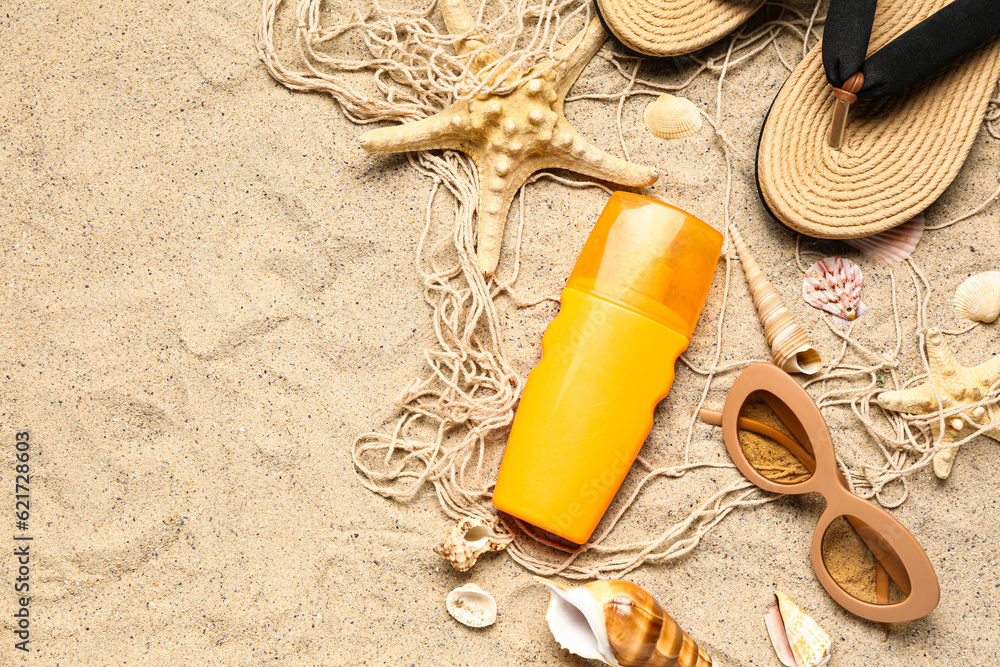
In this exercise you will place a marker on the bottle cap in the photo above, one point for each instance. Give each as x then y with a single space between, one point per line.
651 257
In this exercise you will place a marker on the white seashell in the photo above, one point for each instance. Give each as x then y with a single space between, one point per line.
790 346
469 539
893 245
978 298
618 623
833 284
671 117
472 606
809 643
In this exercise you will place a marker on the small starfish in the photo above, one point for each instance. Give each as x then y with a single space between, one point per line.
956 384
511 136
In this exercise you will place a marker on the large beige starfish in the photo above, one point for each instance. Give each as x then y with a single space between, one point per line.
511 136
956 385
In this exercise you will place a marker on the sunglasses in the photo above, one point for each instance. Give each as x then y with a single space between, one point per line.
864 558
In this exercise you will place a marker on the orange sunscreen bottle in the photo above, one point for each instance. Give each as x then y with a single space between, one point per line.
628 311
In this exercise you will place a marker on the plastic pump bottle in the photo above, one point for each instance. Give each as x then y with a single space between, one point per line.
628 311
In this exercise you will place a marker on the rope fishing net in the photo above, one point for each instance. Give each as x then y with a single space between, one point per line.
453 420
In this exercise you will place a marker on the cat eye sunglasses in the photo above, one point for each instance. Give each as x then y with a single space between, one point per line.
866 560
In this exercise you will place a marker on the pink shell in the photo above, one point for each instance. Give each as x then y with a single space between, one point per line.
893 245
834 285
779 640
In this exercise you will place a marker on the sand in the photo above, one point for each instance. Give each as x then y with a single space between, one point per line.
209 291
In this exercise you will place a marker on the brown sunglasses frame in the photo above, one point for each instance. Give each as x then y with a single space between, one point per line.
897 552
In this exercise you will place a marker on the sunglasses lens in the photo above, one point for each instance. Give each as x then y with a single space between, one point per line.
769 444
849 554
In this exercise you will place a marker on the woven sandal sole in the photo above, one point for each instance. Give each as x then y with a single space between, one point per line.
665 28
901 152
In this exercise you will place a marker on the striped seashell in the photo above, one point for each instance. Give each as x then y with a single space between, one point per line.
833 284
893 245
618 623
671 117
809 644
790 346
978 298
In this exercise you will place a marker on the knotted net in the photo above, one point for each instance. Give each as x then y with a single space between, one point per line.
453 420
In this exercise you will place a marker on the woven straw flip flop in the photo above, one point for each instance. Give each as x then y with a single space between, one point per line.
904 107
662 28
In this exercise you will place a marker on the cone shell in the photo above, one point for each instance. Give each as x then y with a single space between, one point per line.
978 298
472 606
618 623
469 539
776 633
790 346
833 284
810 644
671 117
893 245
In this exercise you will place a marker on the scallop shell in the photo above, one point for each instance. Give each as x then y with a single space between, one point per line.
472 606
618 623
810 644
893 245
790 346
978 298
469 539
833 284
671 117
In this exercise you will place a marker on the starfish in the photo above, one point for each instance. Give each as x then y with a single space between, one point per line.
511 136
956 385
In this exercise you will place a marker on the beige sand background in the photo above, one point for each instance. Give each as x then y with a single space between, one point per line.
208 290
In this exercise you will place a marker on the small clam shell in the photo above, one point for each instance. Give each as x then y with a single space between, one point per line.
810 644
671 117
833 284
469 539
978 298
893 245
472 606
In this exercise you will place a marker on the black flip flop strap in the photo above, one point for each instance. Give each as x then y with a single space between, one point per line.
951 32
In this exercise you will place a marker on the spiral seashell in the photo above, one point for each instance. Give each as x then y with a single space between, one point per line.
893 245
472 606
790 346
671 117
833 284
469 539
618 623
797 638
978 298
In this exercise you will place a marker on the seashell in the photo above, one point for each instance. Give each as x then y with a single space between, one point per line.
671 117
469 539
789 343
472 606
794 634
833 284
618 623
893 245
779 640
978 298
